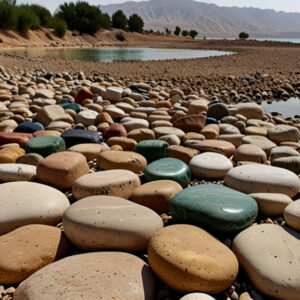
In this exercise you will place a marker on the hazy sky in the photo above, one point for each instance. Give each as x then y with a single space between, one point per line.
284 5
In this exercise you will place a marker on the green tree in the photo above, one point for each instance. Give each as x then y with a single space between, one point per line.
27 19
43 14
168 31
135 23
184 33
243 36
60 27
193 34
105 21
177 30
8 16
119 20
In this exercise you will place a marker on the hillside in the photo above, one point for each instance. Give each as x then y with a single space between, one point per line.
211 20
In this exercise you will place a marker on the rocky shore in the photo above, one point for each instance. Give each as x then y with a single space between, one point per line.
150 180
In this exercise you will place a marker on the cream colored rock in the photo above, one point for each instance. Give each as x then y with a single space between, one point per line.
210 165
113 94
255 178
271 204
8 125
28 249
17 172
51 113
23 203
134 123
249 152
292 215
106 275
44 93
235 139
284 133
283 151
197 296
260 141
86 117
126 160
198 106
90 151
161 131
156 194
110 223
126 143
189 259
171 139
120 183
114 112
250 110
273 263
141 134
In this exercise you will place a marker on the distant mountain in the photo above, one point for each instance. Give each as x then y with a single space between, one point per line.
211 20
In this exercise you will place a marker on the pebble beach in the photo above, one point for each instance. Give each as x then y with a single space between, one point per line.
150 180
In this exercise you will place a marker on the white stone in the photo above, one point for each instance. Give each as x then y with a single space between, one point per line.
17 172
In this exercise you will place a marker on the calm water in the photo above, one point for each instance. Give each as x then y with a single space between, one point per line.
288 108
120 54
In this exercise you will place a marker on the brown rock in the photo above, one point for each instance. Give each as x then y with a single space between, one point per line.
90 151
183 153
115 130
126 143
191 123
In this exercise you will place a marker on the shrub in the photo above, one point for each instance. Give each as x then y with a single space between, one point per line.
60 27
119 20
168 31
120 36
135 23
184 33
177 30
8 16
27 19
193 34
105 21
243 36
43 14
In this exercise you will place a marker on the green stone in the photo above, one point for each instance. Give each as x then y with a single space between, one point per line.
169 169
45 145
215 208
73 106
152 149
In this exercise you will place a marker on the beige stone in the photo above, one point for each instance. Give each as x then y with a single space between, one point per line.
250 110
197 296
17 172
254 130
235 139
283 151
248 152
292 215
260 141
90 151
284 133
183 153
141 134
211 131
126 143
51 113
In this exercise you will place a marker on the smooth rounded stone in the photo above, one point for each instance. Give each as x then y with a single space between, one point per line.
46 133
210 165
254 130
191 123
171 139
89 150
260 141
10 154
156 195
211 131
141 134
126 143
215 208
250 110
126 160
134 123
17 172
24 203
83 94
152 149
29 127
110 223
291 163
86 117
8 125
115 130
120 183
248 152
161 131
182 153
292 215
193 136
62 169
14 137
74 137
283 151
168 169
197 296
44 93
197 107
45 145
256 178
218 146
51 113
73 106
30 159
59 126
189 259
228 129
271 204
218 111
273 264
235 139
106 275
104 117
28 249
283 133
113 94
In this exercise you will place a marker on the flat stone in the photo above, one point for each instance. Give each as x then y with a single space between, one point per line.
250 110
46 133
74 137
273 264
8 125
91 276
141 134
191 123
29 127
256 178
86 117
14 137
283 151
134 123
292 215
249 152
126 143
260 141
169 169
210 165
183 153
156 194
73 106
83 94
189 259
30 159
228 129
171 139
10 154
62 169
161 131
152 149
89 150
51 113
24 203
197 296
28 249
235 139
222 147
17 172
44 93
125 160
115 130
120 183
218 111
113 94
254 130
283 133
214 207
211 131
271 204
110 223
45 145
291 163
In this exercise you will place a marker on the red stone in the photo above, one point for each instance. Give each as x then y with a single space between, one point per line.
14 137
115 130
82 95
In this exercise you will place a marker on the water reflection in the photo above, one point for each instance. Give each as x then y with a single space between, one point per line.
288 108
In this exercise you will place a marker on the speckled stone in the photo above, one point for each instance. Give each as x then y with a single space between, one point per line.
17 172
